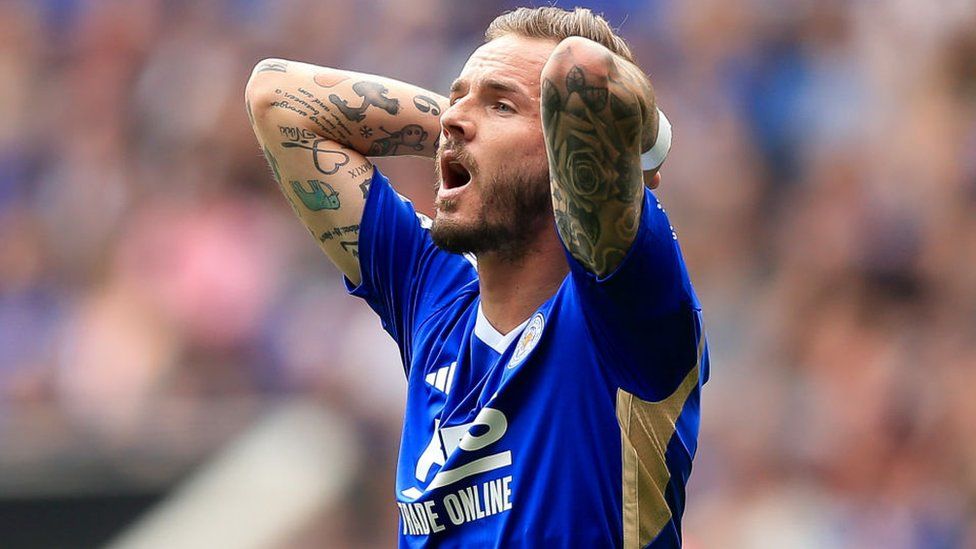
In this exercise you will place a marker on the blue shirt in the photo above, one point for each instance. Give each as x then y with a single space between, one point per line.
576 429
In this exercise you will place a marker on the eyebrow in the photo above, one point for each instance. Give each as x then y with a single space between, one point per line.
501 85
490 83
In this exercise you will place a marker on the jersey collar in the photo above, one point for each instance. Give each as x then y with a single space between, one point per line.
491 337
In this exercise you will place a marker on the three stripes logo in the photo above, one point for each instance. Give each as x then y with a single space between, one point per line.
442 378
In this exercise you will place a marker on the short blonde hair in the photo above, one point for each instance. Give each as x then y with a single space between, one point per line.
558 24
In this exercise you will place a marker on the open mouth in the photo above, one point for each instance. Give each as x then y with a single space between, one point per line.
454 173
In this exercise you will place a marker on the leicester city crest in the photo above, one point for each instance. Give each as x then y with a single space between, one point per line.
528 340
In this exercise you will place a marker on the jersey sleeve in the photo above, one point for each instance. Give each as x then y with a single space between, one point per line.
405 277
644 316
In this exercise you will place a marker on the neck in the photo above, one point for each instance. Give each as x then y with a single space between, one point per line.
511 289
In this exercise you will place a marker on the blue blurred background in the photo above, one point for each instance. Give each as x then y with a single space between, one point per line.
163 316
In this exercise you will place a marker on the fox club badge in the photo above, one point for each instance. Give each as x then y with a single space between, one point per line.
528 340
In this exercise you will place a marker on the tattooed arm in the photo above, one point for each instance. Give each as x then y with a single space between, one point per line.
598 114
316 127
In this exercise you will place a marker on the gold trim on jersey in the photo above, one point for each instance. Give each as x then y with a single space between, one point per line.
645 430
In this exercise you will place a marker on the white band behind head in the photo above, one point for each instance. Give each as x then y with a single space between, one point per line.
652 159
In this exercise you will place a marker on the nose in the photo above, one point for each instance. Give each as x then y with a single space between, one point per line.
456 123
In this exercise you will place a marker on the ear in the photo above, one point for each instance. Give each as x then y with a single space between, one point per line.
652 179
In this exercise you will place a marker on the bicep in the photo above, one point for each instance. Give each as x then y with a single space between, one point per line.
326 185
644 316
593 118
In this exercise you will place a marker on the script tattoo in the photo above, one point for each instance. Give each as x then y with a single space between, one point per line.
426 104
316 198
272 66
593 134
306 105
300 135
338 232
351 246
411 135
373 93
362 169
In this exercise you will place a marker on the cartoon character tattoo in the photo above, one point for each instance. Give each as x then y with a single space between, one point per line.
411 135
316 198
373 93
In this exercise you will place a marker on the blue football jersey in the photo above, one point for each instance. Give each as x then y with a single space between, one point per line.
576 429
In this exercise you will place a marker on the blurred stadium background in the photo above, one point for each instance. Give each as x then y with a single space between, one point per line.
180 367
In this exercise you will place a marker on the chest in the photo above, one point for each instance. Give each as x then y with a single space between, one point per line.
457 378
478 414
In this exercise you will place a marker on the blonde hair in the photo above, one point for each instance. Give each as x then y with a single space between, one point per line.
558 24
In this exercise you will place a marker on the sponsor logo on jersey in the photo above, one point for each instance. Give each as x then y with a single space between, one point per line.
446 440
468 502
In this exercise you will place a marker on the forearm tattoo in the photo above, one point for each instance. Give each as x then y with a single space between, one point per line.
373 94
272 66
339 119
326 160
593 128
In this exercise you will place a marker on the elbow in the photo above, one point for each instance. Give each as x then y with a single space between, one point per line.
576 52
265 71
259 92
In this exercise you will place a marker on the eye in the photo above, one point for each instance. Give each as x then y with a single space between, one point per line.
504 107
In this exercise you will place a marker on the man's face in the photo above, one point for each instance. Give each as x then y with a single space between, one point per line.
493 173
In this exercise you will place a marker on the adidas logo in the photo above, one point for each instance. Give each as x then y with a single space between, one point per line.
442 378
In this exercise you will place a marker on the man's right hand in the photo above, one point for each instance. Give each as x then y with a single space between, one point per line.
316 127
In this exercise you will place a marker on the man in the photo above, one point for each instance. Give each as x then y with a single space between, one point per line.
550 336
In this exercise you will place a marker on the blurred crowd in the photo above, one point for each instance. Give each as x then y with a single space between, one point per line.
156 294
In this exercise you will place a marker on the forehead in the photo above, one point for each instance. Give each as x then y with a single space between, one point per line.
513 58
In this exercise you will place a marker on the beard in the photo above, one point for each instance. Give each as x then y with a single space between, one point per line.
515 204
